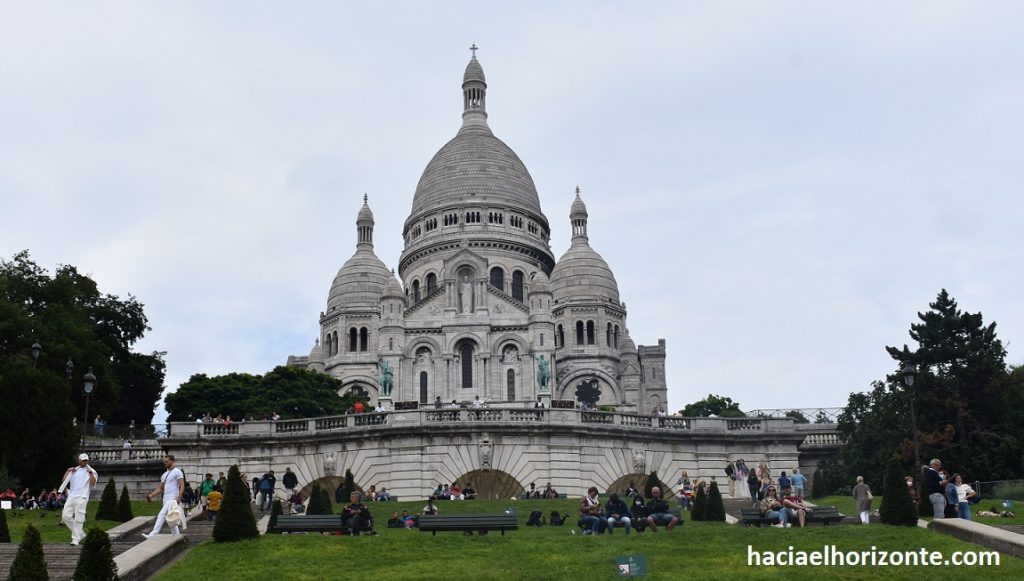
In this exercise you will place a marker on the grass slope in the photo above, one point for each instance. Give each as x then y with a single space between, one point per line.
50 528
693 551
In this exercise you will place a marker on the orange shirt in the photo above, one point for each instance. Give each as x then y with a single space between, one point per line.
213 500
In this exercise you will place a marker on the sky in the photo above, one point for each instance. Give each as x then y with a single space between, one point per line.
779 187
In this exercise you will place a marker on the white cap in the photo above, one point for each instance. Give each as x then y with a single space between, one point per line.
83 457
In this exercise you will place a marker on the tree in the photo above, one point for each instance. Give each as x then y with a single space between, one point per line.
29 564
897 507
714 510
319 502
652 481
71 319
96 560
798 417
700 504
108 502
235 521
715 405
276 510
5 533
348 486
289 391
124 506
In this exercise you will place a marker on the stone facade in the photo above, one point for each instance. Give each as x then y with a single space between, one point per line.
481 297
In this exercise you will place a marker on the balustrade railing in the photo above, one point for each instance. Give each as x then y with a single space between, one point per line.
331 423
597 417
114 454
747 425
219 429
822 440
291 426
369 419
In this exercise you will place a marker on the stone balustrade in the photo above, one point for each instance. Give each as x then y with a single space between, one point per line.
815 434
100 455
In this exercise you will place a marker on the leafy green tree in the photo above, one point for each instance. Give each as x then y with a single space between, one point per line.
700 505
71 319
108 502
124 506
288 391
235 521
798 417
5 533
29 564
96 560
897 507
714 510
715 405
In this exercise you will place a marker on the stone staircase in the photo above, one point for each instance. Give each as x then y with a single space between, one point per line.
61 558
733 505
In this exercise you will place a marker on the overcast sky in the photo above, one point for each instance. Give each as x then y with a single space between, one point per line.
779 187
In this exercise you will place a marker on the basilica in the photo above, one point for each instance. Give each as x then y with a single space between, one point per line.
480 309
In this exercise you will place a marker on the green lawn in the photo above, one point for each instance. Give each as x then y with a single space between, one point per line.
50 528
845 504
693 551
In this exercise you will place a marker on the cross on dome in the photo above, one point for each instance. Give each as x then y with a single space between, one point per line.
473 49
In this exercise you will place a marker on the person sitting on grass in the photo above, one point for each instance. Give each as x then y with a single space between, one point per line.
658 514
355 516
394 522
772 509
295 505
384 495
455 492
408 520
468 493
550 492
631 491
638 514
213 501
431 508
590 513
994 512
795 505
617 513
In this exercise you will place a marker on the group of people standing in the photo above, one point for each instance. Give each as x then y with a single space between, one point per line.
753 483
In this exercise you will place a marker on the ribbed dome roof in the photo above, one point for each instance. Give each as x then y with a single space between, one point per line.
361 281
394 288
626 345
476 162
582 275
474 72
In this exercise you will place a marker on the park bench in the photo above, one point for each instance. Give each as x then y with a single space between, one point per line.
825 515
435 523
311 523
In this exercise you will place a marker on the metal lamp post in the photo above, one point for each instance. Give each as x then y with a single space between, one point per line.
36 350
909 374
88 383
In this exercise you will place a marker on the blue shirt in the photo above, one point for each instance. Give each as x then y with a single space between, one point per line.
799 480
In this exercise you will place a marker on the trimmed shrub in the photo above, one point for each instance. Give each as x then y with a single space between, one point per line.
344 489
897 507
714 510
5 533
235 521
700 505
653 481
29 564
319 501
275 511
924 506
96 561
124 506
108 502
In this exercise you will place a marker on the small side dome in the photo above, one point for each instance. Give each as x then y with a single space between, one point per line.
627 346
361 281
583 276
394 288
539 282
474 72
316 354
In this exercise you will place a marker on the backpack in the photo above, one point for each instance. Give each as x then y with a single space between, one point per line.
557 520
536 519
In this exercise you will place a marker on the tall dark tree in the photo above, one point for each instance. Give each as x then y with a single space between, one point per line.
107 509
897 507
5 533
70 318
652 481
319 502
235 521
29 563
124 506
96 560
715 405
715 508
700 505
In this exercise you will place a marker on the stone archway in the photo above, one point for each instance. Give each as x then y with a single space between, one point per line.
640 481
491 484
328 483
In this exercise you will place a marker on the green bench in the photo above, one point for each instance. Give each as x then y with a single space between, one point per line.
825 515
311 523
435 523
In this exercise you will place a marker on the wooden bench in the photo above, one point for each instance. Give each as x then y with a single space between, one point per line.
311 523
825 515
468 522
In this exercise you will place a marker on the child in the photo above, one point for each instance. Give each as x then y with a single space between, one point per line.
213 501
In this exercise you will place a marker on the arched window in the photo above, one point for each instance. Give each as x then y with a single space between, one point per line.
391 343
334 343
511 385
466 353
542 339
579 333
498 278
517 285
352 338
560 337
363 336
616 336
608 336
415 291
590 332
431 283
423 387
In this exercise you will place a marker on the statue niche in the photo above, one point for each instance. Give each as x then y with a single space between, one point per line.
465 295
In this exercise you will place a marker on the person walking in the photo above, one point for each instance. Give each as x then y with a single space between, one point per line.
172 485
79 480
862 494
267 485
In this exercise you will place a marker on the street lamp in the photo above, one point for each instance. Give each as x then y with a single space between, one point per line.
909 374
88 383
36 350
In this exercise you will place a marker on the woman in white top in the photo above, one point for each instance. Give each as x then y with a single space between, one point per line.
963 495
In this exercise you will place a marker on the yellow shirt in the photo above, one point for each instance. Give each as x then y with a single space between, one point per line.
213 500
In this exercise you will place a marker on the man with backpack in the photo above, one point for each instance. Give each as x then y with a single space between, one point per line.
267 485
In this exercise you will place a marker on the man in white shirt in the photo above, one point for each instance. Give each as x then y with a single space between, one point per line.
172 484
79 480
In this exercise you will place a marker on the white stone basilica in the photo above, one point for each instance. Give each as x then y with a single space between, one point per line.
481 299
